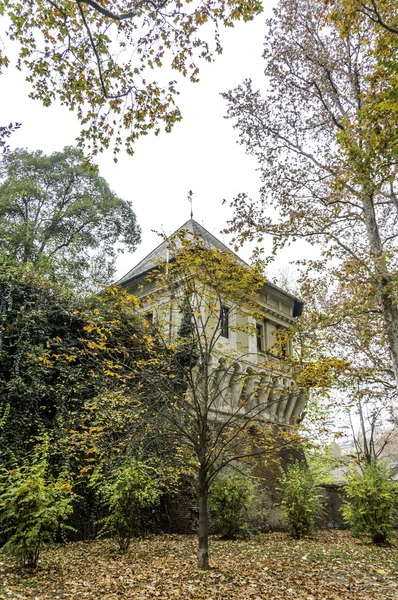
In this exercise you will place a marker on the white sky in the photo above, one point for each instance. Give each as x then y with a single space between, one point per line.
200 154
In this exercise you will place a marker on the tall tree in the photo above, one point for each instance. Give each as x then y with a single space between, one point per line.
318 94
57 213
343 320
100 57
221 398
351 13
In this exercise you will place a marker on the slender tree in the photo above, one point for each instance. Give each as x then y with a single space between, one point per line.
220 399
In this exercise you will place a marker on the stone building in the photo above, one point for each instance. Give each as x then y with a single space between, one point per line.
248 381
258 373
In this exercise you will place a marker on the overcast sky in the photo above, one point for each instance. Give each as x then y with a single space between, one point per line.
200 154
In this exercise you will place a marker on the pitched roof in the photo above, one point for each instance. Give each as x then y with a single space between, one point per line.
160 254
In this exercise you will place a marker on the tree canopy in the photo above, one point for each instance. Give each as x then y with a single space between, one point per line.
60 215
100 58
331 179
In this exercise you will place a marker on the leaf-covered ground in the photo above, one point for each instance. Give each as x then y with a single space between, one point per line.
332 566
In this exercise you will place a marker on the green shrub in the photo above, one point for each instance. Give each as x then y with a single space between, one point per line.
132 488
33 505
371 504
301 500
233 503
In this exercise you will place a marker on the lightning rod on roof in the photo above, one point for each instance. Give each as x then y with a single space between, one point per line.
190 194
165 238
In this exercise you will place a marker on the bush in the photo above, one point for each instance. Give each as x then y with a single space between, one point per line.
301 501
233 501
371 506
33 505
132 488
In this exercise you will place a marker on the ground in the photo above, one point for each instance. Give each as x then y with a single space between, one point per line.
331 566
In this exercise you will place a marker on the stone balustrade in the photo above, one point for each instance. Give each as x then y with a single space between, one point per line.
254 391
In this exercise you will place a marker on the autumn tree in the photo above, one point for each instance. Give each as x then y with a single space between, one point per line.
62 217
345 358
381 13
214 394
377 425
381 17
56 364
69 370
318 96
100 58
345 319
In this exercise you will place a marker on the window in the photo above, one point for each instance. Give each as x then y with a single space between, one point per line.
224 321
276 339
260 337
283 341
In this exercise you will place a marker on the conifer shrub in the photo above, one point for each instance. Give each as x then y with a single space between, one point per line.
301 499
234 505
132 488
33 506
370 507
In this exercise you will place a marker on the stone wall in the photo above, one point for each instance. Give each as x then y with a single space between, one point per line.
331 517
180 514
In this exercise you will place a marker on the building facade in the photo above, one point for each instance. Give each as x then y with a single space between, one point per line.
254 378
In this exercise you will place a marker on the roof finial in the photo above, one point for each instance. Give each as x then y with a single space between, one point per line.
190 194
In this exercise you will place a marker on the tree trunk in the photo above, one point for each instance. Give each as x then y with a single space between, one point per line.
384 283
390 311
203 531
